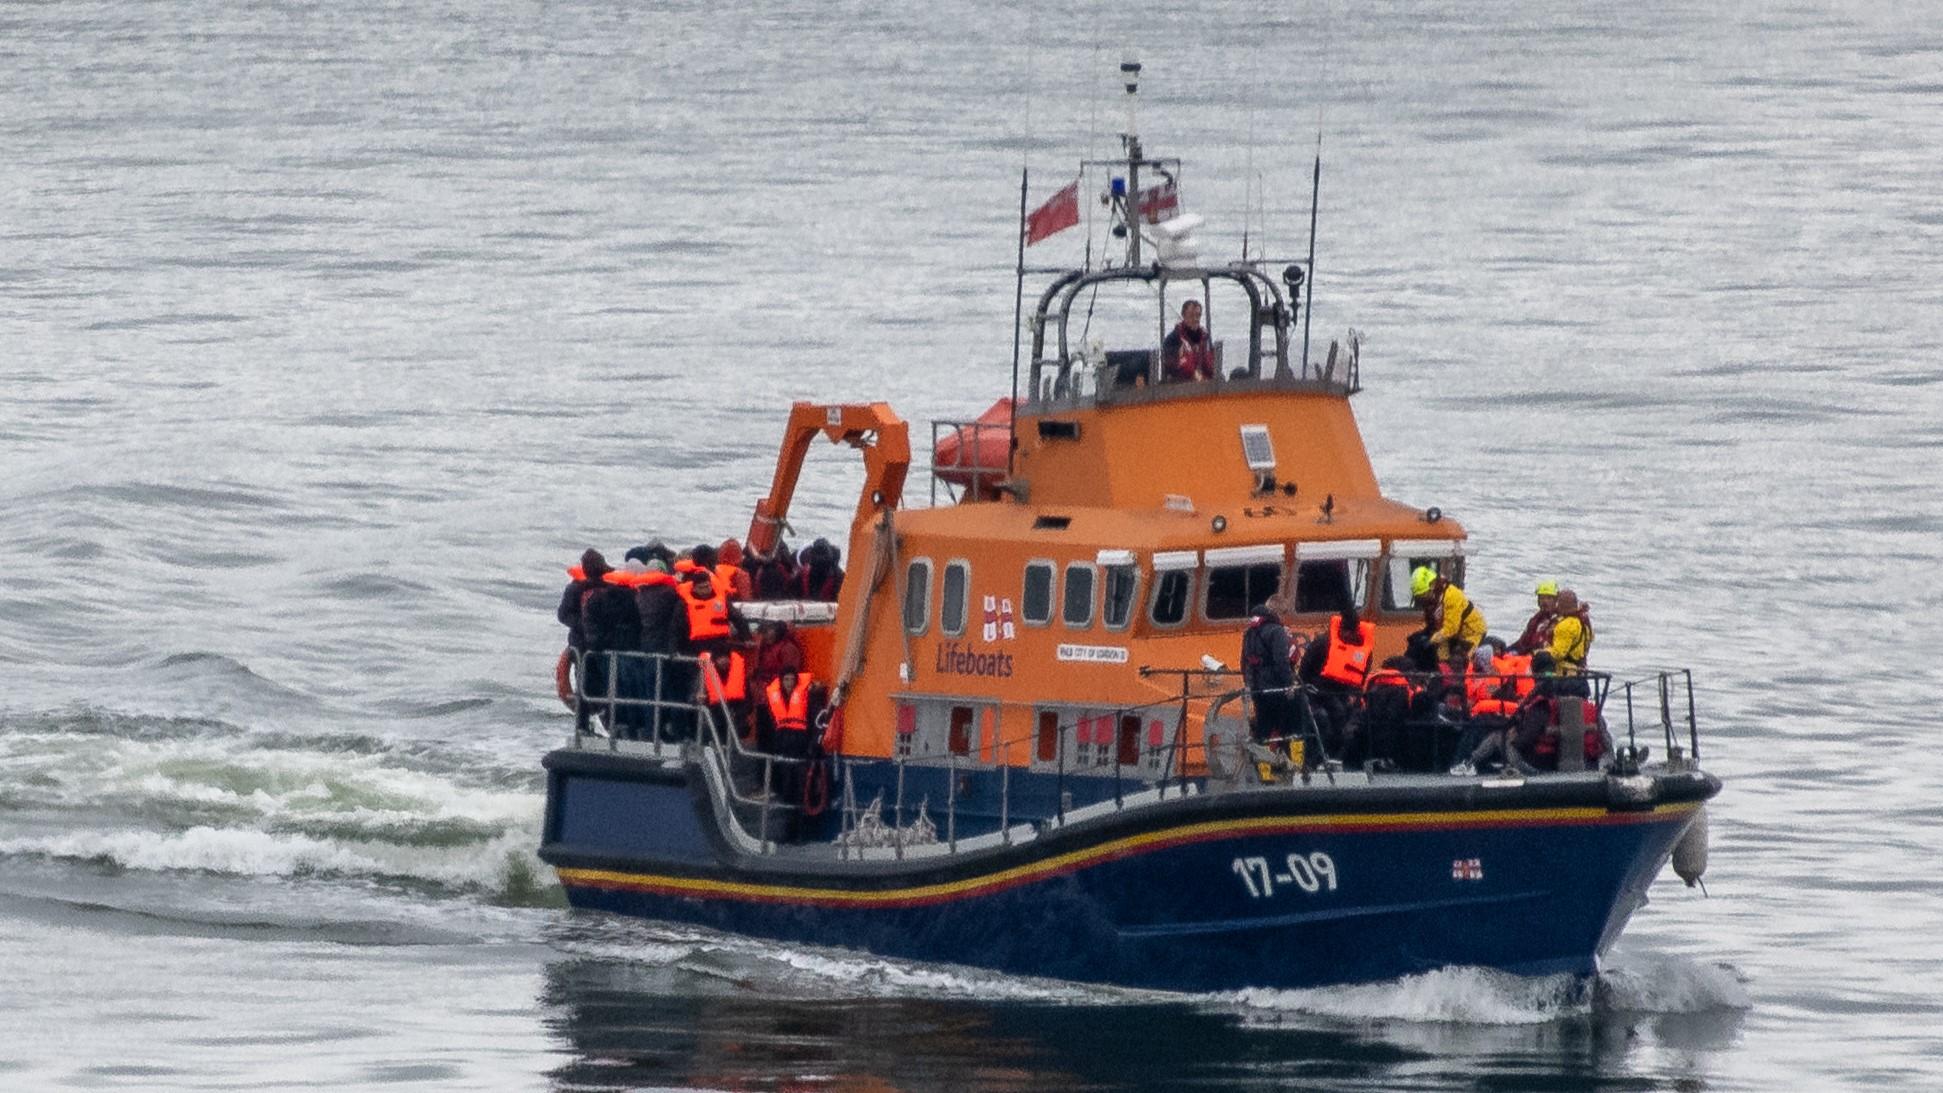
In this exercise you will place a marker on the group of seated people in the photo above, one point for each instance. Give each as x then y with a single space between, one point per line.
1457 696
680 609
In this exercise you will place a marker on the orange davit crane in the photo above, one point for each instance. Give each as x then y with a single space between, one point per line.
871 427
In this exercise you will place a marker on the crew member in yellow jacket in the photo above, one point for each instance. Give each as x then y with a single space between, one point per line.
1454 623
1571 634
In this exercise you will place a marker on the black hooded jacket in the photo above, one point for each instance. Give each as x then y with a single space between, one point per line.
1265 653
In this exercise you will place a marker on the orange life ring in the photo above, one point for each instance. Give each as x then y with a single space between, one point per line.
563 677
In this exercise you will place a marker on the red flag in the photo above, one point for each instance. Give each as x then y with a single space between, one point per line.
1159 203
1057 214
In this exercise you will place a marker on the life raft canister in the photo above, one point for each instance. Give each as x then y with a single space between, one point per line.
1349 664
791 714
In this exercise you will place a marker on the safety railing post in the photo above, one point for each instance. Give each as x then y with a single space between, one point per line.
951 802
1059 782
1005 800
613 722
897 840
660 677
1118 718
768 790
1632 740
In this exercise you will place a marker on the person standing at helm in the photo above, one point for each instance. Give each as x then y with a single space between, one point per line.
1453 624
1187 354
1571 637
1538 628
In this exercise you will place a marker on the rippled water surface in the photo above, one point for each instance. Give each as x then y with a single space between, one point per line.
333 331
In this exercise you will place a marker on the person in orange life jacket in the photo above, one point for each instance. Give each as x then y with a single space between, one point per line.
1266 672
713 623
605 617
1187 354
725 684
651 550
742 585
1389 695
664 634
1515 745
786 716
1336 664
818 577
777 651
1538 628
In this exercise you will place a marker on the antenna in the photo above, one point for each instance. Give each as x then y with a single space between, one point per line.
1018 314
1315 192
1130 200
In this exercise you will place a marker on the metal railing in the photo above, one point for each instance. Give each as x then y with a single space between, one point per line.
682 720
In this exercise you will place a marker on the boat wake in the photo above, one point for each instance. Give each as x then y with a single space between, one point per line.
138 792
1484 996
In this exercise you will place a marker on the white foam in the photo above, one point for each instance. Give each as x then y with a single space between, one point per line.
1472 996
1664 984
246 852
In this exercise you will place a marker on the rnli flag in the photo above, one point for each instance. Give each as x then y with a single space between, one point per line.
1056 215
1159 203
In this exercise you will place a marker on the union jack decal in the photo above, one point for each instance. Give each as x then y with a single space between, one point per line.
1467 869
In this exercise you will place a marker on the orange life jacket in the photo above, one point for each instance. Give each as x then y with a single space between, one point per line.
708 616
724 576
1517 666
1349 664
733 689
792 715
1390 677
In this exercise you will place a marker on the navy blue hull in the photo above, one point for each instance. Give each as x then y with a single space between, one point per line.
1285 889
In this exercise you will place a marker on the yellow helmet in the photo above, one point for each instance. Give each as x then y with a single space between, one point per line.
1421 580
1548 588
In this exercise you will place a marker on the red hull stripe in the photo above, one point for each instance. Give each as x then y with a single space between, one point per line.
1112 850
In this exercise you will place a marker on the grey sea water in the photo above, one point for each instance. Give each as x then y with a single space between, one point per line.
333 332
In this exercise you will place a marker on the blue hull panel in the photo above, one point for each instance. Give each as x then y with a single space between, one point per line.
1263 895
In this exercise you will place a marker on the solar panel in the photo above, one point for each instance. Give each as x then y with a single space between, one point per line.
1255 445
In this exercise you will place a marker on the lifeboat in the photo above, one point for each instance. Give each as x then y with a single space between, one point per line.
1025 748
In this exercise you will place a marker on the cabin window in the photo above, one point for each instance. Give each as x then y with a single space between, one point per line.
1234 589
963 736
917 596
1037 598
1396 577
954 598
1171 588
1047 747
1325 587
1122 582
1079 596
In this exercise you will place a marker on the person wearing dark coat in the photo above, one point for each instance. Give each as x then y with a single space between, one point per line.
1266 672
602 618
819 578
664 633
771 574
593 568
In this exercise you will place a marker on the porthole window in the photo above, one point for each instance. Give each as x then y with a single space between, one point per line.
1078 612
1173 587
954 598
917 596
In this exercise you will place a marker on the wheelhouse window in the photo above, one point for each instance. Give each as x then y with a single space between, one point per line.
1078 612
1439 554
1330 575
1240 578
954 598
917 596
1035 602
1173 586
1121 579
